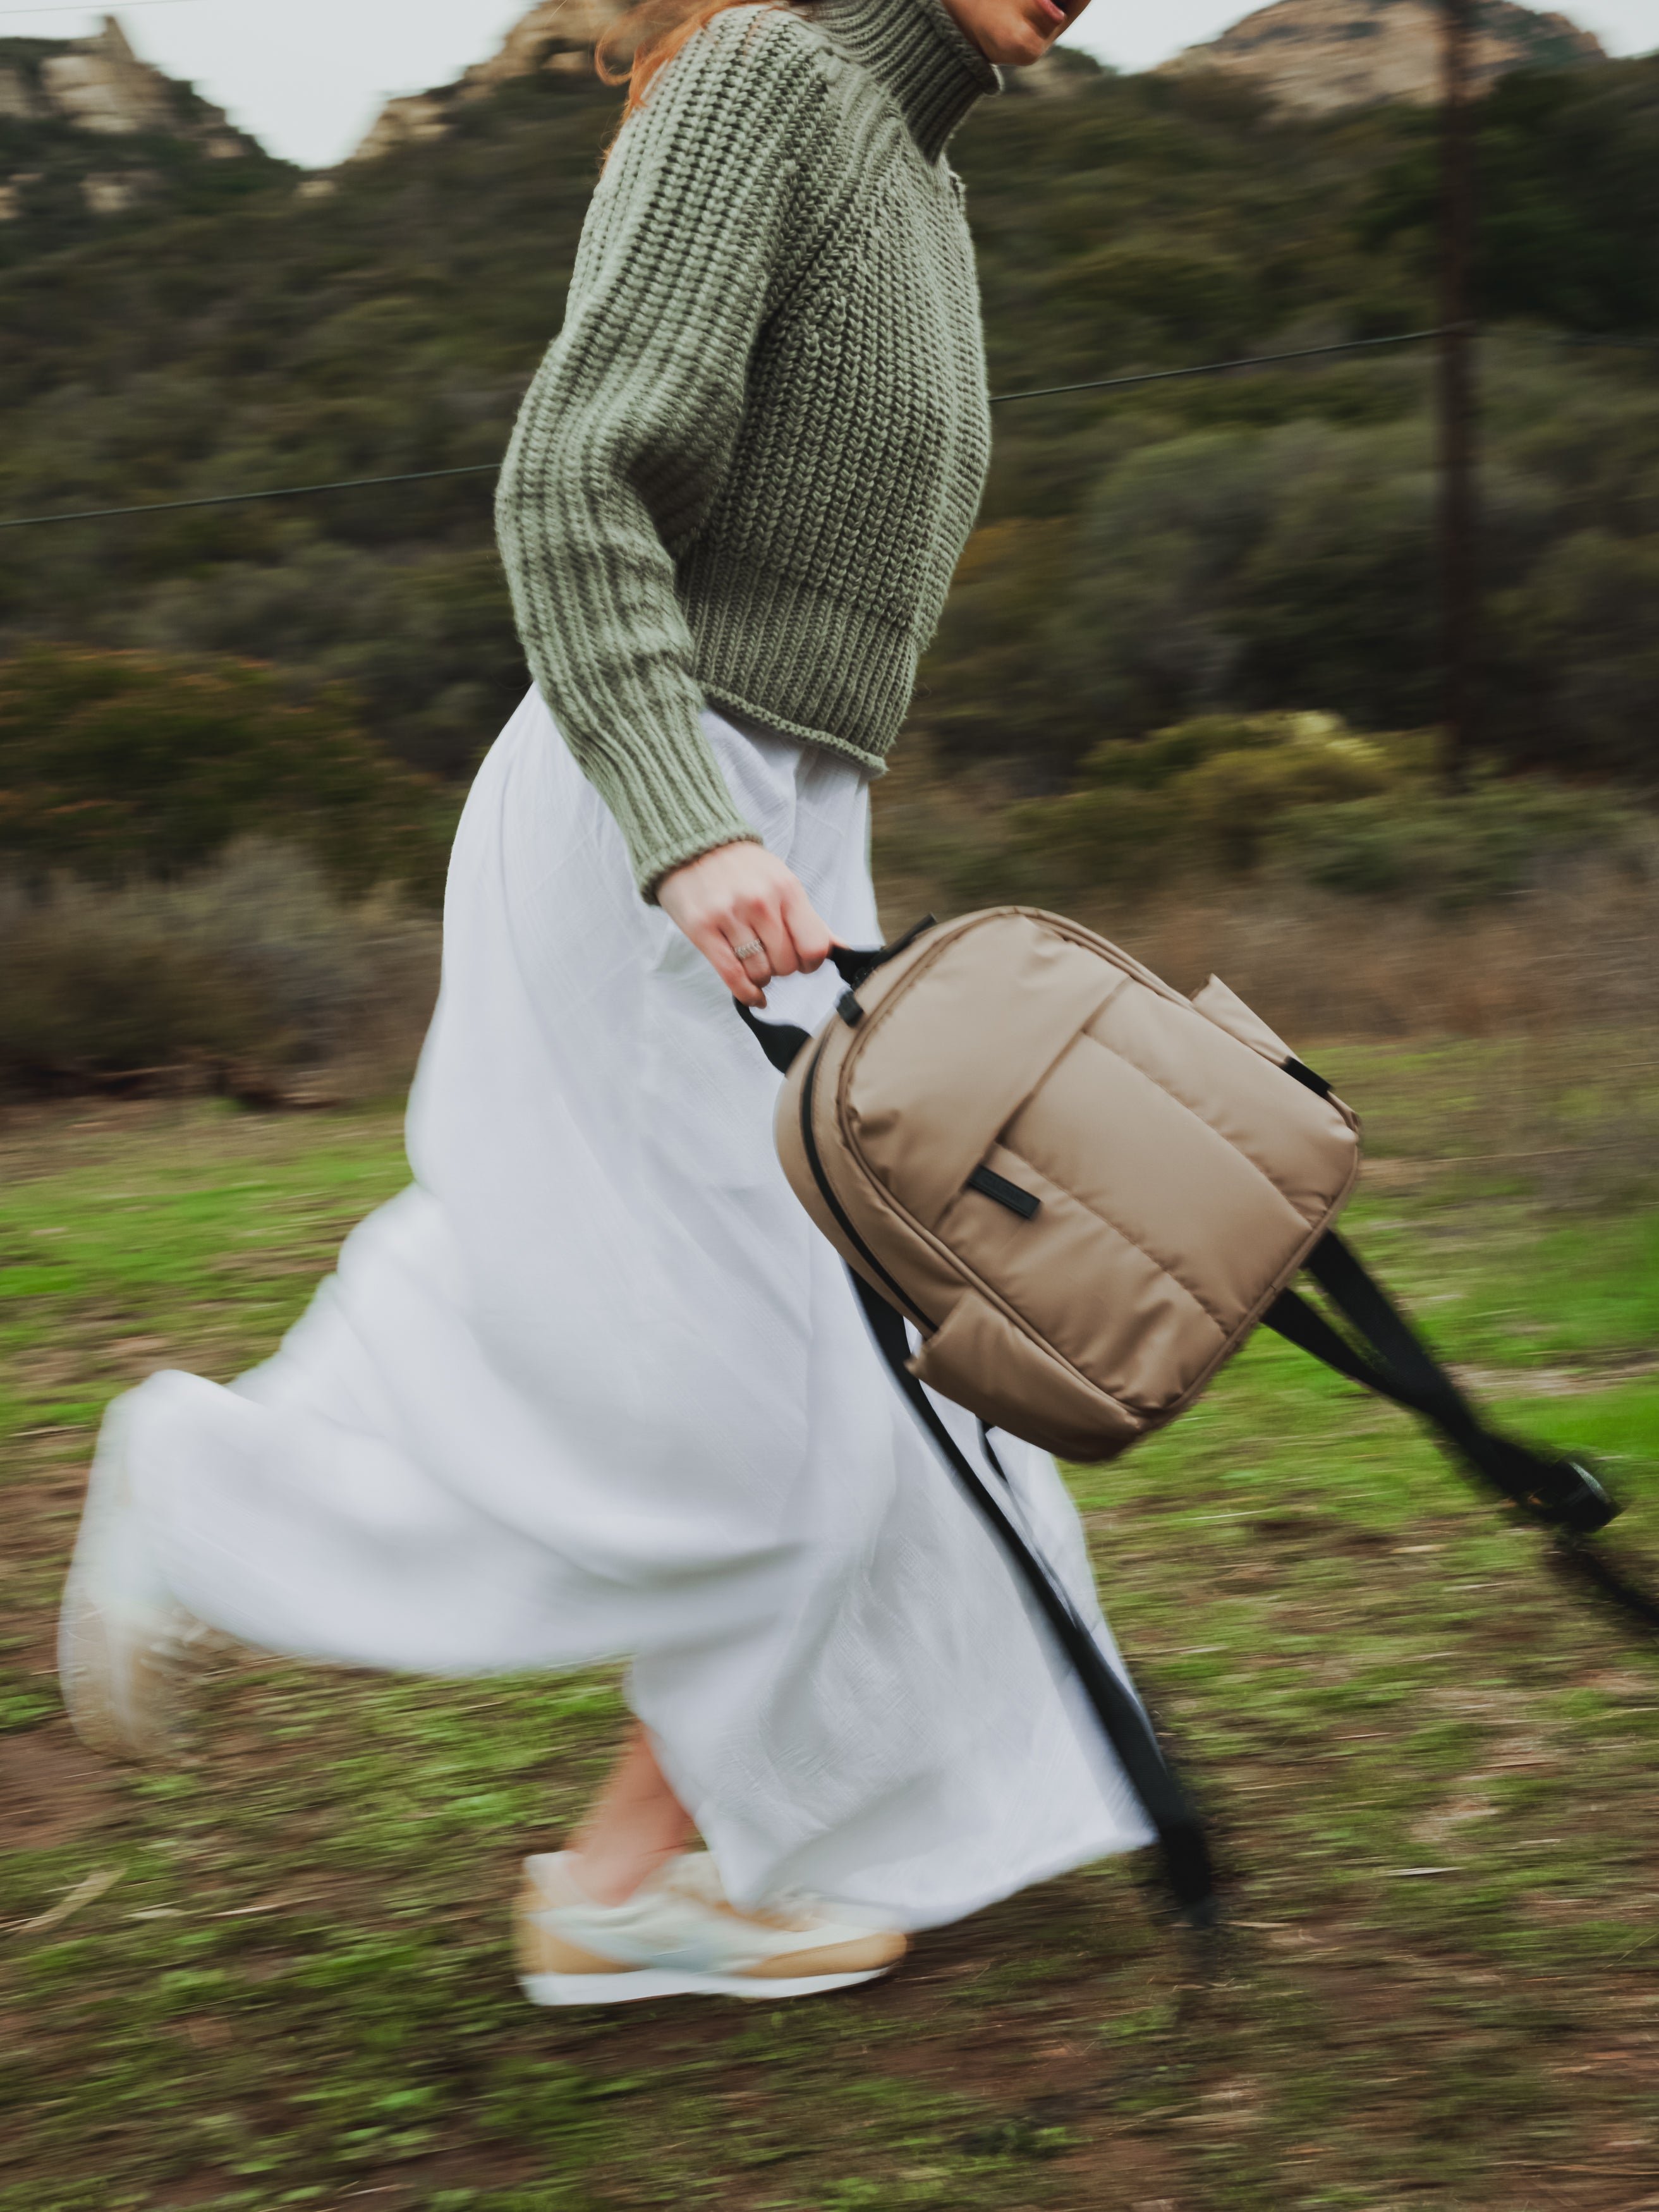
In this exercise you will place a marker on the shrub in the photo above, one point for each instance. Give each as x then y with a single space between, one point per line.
1452 852
1223 796
118 765
93 989
1208 792
232 977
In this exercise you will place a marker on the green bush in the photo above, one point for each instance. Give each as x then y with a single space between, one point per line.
1222 795
120 765
1453 852
1206 792
229 976
1245 566
987 688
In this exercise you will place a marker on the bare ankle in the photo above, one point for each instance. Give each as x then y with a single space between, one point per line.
637 1826
611 1878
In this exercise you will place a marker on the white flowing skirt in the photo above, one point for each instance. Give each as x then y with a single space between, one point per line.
594 1387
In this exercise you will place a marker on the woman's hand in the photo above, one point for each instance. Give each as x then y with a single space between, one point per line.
748 916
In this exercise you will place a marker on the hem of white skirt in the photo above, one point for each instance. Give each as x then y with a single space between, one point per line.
631 1985
912 1920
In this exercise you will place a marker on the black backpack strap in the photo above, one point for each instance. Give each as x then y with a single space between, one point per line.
1180 1833
1396 1364
1291 1317
780 1041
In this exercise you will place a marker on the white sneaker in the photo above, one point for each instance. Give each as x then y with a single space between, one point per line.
124 1643
678 1937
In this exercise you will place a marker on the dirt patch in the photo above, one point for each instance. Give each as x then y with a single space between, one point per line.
51 1790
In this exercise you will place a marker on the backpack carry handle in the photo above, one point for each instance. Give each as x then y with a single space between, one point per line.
782 1040
855 967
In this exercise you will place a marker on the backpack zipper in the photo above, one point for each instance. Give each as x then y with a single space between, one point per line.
810 1145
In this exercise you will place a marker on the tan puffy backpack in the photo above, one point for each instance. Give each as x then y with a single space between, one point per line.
1083 1191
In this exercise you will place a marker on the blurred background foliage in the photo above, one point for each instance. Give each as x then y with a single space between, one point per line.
1192 642
1245 545
114 765
248 974
1271 804
1222 796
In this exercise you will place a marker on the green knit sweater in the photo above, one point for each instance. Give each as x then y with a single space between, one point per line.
745 469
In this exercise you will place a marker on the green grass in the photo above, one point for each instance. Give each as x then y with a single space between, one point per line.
277 1973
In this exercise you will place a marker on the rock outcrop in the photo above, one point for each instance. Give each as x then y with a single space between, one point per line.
99 84
88 131
1315 56
558 35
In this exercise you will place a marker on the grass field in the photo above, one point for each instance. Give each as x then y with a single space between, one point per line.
277 1974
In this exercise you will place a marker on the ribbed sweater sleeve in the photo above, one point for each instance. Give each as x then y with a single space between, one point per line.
628 427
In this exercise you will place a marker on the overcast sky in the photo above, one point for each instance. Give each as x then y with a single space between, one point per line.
308 77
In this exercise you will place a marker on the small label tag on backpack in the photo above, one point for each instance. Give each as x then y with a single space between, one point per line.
991 1185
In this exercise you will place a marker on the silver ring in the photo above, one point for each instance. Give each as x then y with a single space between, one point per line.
746 952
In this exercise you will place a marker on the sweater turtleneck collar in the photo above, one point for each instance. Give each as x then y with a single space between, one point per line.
916 50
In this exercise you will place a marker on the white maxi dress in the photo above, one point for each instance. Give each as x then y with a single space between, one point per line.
593 1388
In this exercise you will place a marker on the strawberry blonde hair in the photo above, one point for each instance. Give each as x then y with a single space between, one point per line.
647 37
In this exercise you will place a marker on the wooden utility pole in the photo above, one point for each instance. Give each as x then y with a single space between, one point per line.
1458 521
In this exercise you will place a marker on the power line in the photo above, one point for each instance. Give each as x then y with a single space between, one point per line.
997 399
481 468
236 498
1217 368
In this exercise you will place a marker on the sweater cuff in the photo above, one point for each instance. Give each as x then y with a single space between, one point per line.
671 809
649 872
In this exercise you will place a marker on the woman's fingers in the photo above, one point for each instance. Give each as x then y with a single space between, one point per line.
777 937
747 914
716 948
751 954
809 935
761 923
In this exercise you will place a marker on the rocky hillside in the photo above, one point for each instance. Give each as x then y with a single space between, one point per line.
1318 56
558 38
89 132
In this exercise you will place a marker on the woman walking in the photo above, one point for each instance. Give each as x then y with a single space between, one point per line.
592 1387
